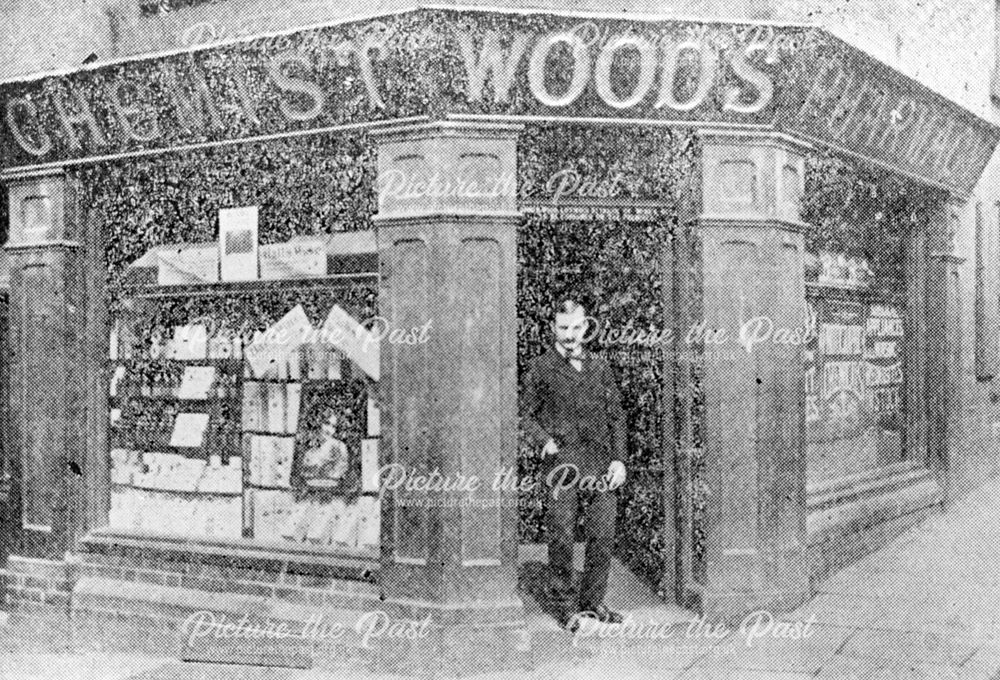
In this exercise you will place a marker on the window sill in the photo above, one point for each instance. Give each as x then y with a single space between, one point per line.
357 564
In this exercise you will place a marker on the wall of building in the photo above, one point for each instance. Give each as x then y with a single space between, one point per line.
46 35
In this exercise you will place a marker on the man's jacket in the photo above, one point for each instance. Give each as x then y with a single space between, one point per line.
580 410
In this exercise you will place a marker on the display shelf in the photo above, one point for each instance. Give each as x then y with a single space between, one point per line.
268 433
866 293
178 492
148 291
233 365
169 398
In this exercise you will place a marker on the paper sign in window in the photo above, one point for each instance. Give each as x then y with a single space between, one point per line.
353 339
189 430
197 382
278 342
238 243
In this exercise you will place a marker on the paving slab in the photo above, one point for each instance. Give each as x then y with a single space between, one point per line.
914 646
76 666
780 655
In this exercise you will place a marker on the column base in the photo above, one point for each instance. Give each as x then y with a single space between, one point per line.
749 581
733 607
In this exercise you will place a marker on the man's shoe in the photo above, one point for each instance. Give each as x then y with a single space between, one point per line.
605 615
568 621
602 614
571 622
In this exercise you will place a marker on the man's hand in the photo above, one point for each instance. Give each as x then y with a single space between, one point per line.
616 474
550 448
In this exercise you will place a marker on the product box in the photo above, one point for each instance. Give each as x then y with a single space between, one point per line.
196 382
269 351
369 522
314 361
271 511
293 401
347 529
116 380
126 509
190 343
271 460
369 466
253 407
222 479
276 404
322 517
336 515
125 463
223 516
298 258
374 420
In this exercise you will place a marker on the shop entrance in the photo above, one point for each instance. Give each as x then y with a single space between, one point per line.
628 257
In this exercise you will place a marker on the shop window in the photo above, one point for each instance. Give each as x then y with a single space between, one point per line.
245 409
854 371
869 309
987 331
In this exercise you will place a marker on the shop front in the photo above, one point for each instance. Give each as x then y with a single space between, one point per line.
269 301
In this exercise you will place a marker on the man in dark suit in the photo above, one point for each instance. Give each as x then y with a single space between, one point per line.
571 413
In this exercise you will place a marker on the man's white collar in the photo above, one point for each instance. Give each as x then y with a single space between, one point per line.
562 352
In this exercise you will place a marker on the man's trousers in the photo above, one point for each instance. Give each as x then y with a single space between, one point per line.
600 508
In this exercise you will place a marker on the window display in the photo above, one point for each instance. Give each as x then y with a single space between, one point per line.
236 413
854 372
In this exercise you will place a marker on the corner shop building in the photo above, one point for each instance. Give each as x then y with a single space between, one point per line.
778 466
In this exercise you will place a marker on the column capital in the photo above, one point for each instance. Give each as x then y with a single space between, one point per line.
752 136
447 168
943 229
451 128
41 209
10 177
753 177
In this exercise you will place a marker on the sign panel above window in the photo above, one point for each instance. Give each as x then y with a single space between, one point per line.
800 80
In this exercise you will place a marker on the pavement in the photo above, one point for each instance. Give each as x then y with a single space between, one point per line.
926 606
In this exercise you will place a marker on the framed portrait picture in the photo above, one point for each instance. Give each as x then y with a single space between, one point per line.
331 426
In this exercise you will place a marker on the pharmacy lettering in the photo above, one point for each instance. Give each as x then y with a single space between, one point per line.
800 80
870 110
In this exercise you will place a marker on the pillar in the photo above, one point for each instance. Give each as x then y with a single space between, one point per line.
47 340
944 342
753 248
446 227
